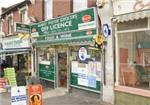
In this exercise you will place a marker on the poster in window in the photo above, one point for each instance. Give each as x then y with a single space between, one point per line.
82 79
74 67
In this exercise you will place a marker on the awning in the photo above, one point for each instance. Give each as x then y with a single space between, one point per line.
133 16
14 51
67 41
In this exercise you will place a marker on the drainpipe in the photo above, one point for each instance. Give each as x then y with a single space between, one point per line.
113 38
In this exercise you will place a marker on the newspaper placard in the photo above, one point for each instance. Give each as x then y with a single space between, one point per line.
18 95
35 94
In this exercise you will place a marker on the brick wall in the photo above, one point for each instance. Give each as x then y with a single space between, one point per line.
5 26
34 10
37 10
91 3
62 7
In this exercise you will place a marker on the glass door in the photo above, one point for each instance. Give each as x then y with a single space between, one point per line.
62 68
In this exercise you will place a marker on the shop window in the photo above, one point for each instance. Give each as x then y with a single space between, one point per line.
86 72
134 59
46 70
46 55
24 62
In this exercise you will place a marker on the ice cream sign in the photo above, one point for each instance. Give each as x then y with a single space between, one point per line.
82 53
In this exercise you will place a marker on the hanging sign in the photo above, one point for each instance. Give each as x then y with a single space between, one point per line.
82 53
22 28
35 95
106 30
99 39
18 95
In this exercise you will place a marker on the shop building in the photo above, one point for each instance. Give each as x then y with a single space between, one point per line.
65 53
16 42
132 52
128 49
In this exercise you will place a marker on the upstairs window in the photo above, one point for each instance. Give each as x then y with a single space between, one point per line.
79 5
10 25
48 9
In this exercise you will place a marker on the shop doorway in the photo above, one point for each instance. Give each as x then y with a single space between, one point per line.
62 68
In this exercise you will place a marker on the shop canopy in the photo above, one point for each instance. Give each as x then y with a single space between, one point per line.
7 52
133 16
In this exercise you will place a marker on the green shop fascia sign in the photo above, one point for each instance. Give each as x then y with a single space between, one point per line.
22 28
67 35
82 20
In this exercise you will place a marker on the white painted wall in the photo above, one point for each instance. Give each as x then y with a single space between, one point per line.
127 6
108 89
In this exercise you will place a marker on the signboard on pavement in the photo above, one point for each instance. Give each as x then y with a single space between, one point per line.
18 95
35 94
11 76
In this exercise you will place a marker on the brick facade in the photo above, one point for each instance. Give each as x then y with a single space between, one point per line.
62 7
37 10
91 3
33 10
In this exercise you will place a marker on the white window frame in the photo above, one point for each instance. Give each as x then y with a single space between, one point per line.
48 8
25 11
23 16
1 25
79 5
11 24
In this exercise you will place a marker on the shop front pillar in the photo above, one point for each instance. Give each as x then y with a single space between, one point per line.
105 13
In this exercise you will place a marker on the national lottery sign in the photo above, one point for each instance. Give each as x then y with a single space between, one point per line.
18 95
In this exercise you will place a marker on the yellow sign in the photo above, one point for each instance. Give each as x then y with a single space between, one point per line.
99 39
23 36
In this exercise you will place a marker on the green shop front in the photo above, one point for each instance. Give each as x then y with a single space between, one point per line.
65 52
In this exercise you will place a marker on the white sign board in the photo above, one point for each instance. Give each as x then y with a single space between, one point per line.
18 95
15 42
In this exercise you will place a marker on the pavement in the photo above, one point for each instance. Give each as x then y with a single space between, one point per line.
58 97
